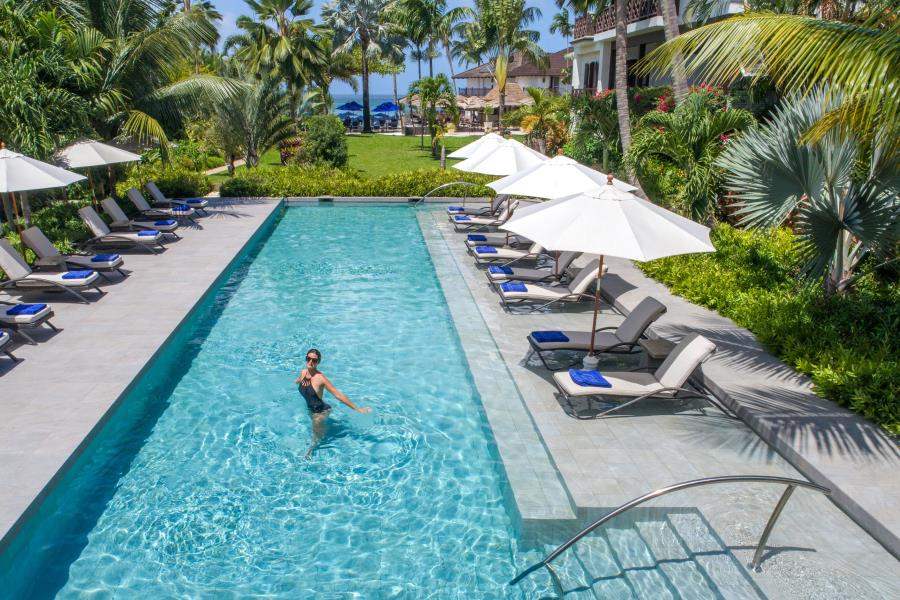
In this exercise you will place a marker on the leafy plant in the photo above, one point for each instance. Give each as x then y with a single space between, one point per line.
435 93
323 141
545 120
174 181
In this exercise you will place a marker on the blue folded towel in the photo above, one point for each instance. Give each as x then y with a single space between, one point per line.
165 222
485 250
513 286
589 378
500 270
25 309
195 201
147 233
105 258
476 237
455 209
83 274
181 208
549 337
462 218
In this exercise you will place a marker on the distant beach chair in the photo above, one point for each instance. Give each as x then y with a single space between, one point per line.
481 211
516 292
148 239
5 339
468 223
497 274
198 204
178 211
19 316
490 254
21 277
49 255
121 221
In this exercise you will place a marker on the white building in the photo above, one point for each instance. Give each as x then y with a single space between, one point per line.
593 46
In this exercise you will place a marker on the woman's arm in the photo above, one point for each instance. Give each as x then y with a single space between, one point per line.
301 376
340 396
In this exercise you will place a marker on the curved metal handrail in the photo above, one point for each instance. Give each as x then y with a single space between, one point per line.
754 564
446 185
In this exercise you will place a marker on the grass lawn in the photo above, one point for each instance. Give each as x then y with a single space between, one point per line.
376 154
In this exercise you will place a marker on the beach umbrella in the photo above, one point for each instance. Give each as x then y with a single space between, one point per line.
555 178
502 158
609 222
387 107
20 173
89 153
469 149
353 105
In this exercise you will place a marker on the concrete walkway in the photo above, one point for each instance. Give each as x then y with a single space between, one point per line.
52 401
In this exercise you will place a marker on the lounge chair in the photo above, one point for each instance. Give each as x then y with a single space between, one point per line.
481 211
177 211
667 381
495 239
516 292
5 339
21 276
18 316
497 274
49 256
103 237
618 339
198 204
467 223
121 221
489 254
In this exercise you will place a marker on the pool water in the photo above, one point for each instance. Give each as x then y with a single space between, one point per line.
198 486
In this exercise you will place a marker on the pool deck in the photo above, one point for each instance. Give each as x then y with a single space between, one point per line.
605 463
59 395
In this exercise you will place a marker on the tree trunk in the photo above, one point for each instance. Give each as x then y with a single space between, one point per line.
231 164
421 116
679 79
8 211
450 62
443 157
397 103
367 117
622 76
500 109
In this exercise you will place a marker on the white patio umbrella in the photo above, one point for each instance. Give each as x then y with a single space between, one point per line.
471 148
90 153
609 222
555 178
20 173
503 158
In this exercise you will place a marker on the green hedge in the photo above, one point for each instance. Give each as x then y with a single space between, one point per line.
323 142
846 344
173 181
323 181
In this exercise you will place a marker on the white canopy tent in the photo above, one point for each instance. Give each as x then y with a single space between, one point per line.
609 222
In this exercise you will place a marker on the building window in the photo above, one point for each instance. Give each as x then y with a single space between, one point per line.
591 71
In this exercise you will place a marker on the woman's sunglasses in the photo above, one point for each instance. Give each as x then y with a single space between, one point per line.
312 359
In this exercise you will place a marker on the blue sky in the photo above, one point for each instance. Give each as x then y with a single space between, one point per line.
231 9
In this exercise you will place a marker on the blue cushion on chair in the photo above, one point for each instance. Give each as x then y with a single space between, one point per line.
165 222
462 218
147 233
476 237
513 286
105 258
549 337
181 208
500 270
455 209
485 250
588 378
25 309
82 274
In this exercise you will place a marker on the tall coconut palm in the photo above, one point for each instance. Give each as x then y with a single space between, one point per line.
361 24
444 31
841 194
670 19
621 84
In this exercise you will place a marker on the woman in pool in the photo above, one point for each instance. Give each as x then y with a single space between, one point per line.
312 384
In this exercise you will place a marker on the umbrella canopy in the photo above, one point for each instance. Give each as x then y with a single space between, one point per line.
354 105
19 173
609 222
469 149
555 178
387 107
503 158
94 154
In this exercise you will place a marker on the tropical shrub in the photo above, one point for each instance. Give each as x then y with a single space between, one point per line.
545 120
663 182
323 141
595 140
173 181
313 181
846 344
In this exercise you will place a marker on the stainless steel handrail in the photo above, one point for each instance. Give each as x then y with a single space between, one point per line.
754 564
446 185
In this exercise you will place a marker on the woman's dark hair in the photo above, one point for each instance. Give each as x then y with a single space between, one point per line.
314 351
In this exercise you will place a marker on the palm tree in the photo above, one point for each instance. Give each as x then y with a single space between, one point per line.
444 31
691 137
841 193
670 19
621 84
361 24
435 93
544 119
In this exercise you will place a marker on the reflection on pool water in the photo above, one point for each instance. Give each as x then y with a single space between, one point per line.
198 485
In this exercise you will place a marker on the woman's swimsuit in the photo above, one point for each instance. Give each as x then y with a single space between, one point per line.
313 402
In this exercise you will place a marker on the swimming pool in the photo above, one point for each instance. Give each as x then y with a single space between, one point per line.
198 486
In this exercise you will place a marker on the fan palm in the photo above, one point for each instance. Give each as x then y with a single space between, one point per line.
361 24
691 137
435 94
840 194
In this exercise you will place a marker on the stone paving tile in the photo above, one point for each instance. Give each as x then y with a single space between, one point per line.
46 414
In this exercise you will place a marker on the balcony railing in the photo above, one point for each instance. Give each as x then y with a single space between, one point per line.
637 10
479 92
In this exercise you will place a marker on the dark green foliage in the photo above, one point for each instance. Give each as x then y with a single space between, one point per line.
324 181
323 141
846 344
173 181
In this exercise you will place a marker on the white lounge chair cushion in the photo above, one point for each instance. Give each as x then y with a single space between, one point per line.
4 338
581 340
193 202
522 274
90 263
497 239
538 292
37 279
623 383
167 227
502 254
477 221
20 319
132 236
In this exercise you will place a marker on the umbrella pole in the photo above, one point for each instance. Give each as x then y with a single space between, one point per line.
596 305
93 191
112 181
18 225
